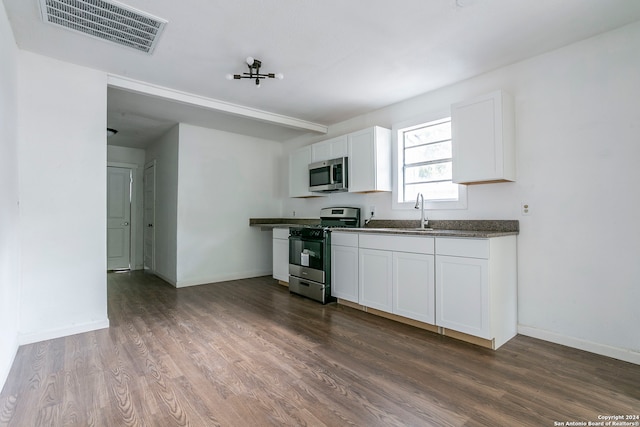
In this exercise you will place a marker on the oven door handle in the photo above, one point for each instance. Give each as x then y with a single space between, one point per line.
306 239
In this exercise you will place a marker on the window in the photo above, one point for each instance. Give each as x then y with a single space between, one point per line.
425 166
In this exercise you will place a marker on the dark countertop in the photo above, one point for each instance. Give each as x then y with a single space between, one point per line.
437 228
271 223
429 232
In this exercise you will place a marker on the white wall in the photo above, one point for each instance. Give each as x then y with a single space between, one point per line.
133 156
224 179
577 139
62 186
9 212
165 154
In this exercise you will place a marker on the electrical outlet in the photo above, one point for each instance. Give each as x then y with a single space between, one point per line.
525 208
372 210
294 213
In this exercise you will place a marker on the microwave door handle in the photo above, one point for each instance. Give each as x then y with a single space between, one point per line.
331 172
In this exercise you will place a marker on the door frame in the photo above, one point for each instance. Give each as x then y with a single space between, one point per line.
148 165
133 230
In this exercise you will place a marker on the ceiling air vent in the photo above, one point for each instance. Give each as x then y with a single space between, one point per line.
111 21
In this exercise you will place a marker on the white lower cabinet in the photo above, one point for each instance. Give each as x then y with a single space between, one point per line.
413 286
397 276
476 287
281 254
463 295
466 285
375 279
344 266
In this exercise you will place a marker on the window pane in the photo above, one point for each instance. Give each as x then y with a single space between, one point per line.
431 191
425 135
427 153
432 172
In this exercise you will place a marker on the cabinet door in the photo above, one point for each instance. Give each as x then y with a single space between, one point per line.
413 286
299 172
483 139
370 160
320 151
362 162
462 295
329 149
281 259
375 279
344 272
339 147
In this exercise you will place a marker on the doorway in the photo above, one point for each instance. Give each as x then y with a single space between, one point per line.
119 188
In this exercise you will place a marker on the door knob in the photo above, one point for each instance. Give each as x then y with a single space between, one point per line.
149 225
125 223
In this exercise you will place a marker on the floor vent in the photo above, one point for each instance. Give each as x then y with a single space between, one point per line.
111 21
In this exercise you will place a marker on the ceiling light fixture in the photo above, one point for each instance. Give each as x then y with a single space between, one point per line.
254 72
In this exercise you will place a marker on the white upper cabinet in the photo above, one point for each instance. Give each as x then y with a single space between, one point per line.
369 153
370 160
299 172
329 149
483 139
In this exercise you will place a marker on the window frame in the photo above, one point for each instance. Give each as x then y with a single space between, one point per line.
397 160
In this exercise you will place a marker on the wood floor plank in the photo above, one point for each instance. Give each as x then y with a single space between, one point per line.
248 353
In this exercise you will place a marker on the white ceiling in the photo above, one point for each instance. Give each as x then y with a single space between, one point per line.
340 58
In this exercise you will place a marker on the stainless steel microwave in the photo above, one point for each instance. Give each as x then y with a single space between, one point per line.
329 175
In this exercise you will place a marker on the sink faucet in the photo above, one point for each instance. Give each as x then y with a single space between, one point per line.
424 222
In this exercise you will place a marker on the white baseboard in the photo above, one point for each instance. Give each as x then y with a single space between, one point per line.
592 347
163 277
222 278
62 332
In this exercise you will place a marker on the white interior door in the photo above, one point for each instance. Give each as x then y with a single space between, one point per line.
118 218
149 216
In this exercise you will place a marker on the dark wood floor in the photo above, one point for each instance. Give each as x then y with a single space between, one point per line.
246 353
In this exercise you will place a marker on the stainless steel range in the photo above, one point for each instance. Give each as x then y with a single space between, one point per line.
310 253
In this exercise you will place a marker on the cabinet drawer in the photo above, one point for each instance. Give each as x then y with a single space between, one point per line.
344 239
469 248
280 233
420 245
